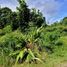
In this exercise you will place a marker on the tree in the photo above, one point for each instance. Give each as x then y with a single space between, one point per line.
23 14
0 17
64 21
0 11
14 21
5 16
37 17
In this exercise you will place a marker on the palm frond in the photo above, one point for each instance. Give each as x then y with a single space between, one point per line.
20 55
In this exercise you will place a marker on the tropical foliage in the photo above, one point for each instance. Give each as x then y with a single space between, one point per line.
26 38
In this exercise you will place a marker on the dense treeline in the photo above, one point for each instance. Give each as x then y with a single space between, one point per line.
25 37
21 18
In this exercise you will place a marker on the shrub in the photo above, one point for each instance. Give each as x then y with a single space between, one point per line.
7 29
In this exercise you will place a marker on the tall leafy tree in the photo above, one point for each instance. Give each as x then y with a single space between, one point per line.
23 13
37 17
64 21
0 16
14 20
5 16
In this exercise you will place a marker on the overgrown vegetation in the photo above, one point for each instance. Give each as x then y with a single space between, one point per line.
27 39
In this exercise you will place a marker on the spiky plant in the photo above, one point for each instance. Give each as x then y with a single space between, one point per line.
28 53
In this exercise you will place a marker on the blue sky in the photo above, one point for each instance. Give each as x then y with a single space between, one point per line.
53 10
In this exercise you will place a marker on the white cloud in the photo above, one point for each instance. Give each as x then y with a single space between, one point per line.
50 7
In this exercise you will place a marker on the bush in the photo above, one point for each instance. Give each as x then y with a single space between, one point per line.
10 41
1 32
7 29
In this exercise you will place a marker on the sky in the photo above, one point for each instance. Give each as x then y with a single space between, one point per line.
53 10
